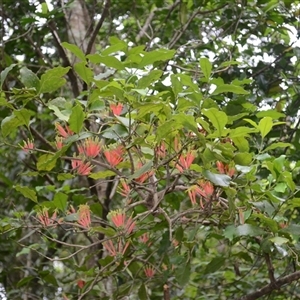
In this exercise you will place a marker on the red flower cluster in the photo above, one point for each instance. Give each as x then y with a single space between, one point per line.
225 169
205 189
184 161
118 217
116 108
28 146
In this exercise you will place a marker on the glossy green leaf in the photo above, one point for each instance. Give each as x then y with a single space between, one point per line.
278 145
60 201
217 118
142 293
102 174
24 115
243 159
26 192
217 179
53 79
46 162
214 265
76 118
4 74
265 125
154 56
230 88
9 124
182 273
75 50
145 168
109 61
206 67
29 79
85 73
148 79
279 240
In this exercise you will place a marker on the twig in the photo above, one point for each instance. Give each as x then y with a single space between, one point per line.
270 287
98 27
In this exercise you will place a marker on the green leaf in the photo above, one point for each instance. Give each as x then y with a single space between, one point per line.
278 145
229 88
231 231
8 124
96 208
23 115
142 293
75 50
85 73
26 192
217 118
249 230
29 79
46 162
119 46
241 131
4 74
60 201
52 80
44 8
214 265
217 179
105 230
274 114
182 273
147 80
158 55
76 118
243 159
109 61
265 125
64 176
206 67
102 174
278 240
145 168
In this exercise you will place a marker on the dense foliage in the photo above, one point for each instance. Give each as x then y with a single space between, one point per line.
150 150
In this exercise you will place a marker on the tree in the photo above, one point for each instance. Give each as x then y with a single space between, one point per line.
150 149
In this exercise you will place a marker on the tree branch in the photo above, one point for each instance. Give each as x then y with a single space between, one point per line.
271 287
98 27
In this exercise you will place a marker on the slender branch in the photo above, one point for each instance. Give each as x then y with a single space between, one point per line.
271 287
274 62
98 27
178 34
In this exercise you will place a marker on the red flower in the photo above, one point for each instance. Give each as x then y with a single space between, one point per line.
125 189
116 108
144 238
84 216
114 156
144 176
224 169
161 151
109 246
64 133
193 191
59 142
29 145
206 189
119 219
44 218
80 283
81 167
149 271
185 161
90 147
